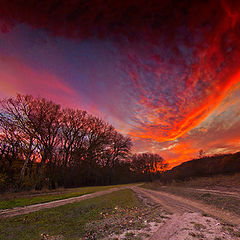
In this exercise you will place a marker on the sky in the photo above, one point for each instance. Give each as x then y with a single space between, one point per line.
161 72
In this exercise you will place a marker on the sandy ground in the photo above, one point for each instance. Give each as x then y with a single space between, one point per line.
190 220
194 226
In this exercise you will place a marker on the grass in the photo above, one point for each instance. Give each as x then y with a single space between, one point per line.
16 200
199 226
223 181
95 218
225 202
68 220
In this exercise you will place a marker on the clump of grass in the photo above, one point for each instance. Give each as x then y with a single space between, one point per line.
205 215
129 235
199 226
237 234
231 230
196 235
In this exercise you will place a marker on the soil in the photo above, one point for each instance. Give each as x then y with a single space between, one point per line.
184 219
192 219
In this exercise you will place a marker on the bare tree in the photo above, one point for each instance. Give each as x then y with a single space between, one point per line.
45 120
148 164
118 150
15 119
59 144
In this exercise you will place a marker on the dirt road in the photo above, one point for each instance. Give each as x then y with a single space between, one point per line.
6 213
188 218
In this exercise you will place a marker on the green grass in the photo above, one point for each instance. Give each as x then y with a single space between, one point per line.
69 220
19 201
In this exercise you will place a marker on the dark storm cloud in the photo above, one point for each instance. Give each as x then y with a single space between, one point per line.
180 57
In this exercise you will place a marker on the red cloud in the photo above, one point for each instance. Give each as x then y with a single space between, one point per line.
181 57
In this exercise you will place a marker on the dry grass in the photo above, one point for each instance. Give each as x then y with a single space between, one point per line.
216 193
223 181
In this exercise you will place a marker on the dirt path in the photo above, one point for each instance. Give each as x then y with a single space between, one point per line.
187 218
6 213
215 191
179 205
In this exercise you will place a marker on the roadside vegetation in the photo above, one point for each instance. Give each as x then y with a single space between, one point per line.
111 215
229 182
20 200
222 191
204 166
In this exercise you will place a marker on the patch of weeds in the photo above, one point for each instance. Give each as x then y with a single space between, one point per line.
145 235
196 235
162 216
119 220
229 229
192 234
205 215
129 235
199 226
237 234
206 195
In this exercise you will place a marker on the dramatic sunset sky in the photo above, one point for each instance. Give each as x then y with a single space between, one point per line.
167 73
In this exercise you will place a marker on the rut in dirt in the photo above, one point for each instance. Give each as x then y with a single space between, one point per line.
179 205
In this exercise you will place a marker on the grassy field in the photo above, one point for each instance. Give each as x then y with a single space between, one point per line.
189 189
94 218
227 182
20 200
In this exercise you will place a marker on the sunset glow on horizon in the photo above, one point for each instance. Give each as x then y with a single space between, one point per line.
165 73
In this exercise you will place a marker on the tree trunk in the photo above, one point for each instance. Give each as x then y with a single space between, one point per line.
25 164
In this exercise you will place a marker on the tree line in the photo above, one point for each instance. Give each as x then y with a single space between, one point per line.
43 144
204 166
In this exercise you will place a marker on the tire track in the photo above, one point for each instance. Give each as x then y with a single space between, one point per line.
179 205
182 209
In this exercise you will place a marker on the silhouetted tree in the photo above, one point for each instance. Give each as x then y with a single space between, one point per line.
41 143
148 165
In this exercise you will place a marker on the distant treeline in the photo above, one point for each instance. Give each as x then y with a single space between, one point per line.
43 144
204 166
